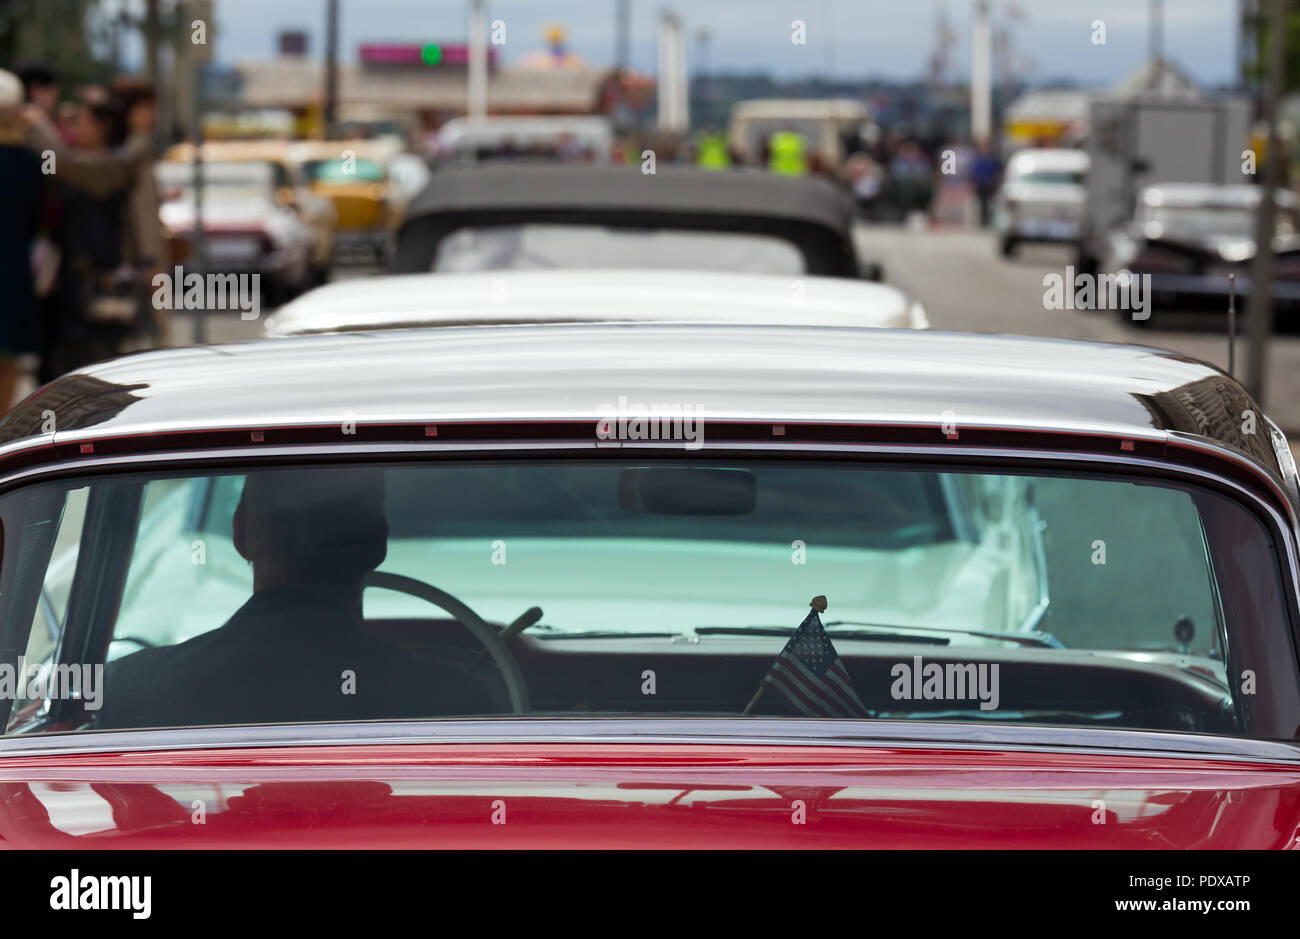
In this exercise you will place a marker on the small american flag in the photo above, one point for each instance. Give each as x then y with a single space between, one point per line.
810 675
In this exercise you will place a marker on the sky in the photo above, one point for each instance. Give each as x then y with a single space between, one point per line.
845 38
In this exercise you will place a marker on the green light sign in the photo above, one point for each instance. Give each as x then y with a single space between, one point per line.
431 54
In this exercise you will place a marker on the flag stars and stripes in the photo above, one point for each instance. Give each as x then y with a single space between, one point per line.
809 674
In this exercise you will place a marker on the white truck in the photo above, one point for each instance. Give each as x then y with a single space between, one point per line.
1138 141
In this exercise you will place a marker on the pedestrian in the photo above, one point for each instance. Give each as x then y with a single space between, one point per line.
137 100
986 173
88 174
95 300
20 194
41 90
40 87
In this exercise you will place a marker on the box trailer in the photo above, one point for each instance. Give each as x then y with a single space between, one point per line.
1135 142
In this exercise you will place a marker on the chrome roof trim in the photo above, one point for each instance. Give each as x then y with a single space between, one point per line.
1218 451
706 416
378 449
912 735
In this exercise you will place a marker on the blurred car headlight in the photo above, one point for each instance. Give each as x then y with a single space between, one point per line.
1236 251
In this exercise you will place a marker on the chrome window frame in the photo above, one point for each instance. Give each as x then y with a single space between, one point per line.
732 731
675 731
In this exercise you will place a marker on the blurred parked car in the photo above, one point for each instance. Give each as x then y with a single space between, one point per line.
1190 236
291 189
603 604
529 216
245 230
487 299
1042 198
354 176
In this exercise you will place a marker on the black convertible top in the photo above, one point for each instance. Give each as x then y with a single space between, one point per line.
811 213
672 189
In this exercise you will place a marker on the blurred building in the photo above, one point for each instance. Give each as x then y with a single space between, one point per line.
425 98
421 86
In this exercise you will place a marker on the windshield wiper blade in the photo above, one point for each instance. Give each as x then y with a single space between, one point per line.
610 634
1035 637
847 634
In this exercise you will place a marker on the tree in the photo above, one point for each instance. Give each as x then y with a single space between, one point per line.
70 36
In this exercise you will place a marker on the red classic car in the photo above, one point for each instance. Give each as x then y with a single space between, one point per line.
549 586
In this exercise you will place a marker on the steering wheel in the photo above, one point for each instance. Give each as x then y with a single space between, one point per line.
510 673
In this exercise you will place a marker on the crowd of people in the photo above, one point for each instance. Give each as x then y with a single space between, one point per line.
80 236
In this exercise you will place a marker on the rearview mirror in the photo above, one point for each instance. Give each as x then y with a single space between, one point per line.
687 490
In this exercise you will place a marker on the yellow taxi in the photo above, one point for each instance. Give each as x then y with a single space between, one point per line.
353 175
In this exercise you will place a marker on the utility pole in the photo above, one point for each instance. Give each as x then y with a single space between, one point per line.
981 77
330 110
152 28
674 106
477 87
198 239
1156 37
1261 291
1247 44
621 53
830 41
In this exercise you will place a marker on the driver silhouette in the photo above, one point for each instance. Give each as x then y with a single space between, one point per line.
298 650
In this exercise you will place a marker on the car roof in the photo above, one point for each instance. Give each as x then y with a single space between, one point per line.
1050 159
494 298
273 151
1188 195
743 193
773 385
525 126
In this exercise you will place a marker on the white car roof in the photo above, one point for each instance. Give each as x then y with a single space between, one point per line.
182 174
1191 195
524 129
516 298
1034 159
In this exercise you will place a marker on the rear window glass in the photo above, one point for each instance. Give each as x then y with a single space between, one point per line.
239 598
539 247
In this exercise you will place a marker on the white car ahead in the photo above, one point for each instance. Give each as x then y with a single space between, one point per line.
1042 198
506 298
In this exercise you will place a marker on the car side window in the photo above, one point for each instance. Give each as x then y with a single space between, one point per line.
52 605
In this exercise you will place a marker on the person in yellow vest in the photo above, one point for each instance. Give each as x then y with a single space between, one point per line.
786 154
713 152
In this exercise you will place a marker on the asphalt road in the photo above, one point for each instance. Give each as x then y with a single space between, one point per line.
965 285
